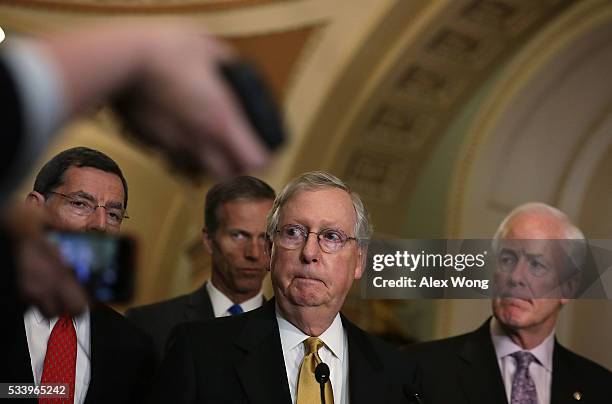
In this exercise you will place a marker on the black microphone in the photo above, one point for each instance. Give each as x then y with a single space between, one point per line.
322 376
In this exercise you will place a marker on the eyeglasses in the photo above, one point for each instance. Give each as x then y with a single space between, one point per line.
82 206
292 236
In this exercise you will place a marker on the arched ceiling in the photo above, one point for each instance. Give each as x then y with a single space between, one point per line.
369 87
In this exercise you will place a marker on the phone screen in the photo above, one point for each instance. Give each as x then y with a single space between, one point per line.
103 264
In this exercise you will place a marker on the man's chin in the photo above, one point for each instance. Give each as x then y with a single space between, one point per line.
307 299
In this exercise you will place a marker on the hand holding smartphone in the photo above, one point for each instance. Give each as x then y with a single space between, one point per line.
103 264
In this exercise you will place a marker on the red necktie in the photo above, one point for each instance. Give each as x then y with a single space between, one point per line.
60 359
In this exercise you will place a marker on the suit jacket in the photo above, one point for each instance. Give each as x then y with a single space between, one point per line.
240 360
121 359
464 370
158 319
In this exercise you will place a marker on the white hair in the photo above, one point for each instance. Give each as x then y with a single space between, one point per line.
577 250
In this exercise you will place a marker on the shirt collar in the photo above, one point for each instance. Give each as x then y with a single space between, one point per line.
78 320
221 303
504 345
291 336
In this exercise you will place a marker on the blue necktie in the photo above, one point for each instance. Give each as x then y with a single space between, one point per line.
235 309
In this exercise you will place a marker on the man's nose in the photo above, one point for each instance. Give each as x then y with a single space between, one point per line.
254 250
311 251
97 220
518 274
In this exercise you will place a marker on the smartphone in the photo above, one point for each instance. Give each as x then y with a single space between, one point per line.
103 264
256 100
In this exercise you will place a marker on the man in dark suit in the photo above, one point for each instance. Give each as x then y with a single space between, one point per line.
514 357
234 234
319 231
100 355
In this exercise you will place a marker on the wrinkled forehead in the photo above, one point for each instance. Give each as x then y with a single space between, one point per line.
531 246
556 253
100 185
320 207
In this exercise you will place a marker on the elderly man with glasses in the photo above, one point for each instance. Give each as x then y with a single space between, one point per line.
297 348
98 354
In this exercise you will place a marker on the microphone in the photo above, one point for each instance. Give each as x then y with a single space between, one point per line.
322 377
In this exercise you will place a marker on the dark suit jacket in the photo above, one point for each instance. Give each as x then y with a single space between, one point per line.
240 360
464 370
122 359
158 319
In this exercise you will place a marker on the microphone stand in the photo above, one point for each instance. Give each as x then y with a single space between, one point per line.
322 385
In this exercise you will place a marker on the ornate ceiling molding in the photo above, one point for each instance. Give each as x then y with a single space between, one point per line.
379 124
572 45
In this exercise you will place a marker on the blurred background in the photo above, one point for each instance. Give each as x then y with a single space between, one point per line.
442 114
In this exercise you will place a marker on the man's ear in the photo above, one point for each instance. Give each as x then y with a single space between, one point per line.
207 240
35 199
361 261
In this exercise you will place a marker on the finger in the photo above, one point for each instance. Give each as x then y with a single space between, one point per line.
236 136
72 297
215 162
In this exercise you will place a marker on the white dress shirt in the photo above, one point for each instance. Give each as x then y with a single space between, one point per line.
540 369
221 303
334 354
38 329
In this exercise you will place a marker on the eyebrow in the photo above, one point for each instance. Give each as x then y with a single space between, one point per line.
246 232
89 197
324 225
540 257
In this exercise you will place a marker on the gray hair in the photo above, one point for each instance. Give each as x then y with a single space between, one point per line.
577 249
315 180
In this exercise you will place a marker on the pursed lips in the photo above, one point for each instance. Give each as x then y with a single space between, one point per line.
307 278
516 300
250 269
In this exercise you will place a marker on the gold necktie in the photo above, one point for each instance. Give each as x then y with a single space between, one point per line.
309 390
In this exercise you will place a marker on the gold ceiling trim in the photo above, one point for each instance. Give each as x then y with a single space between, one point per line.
138 6
583 17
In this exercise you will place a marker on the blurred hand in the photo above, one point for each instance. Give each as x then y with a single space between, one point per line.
42 278
181 105
165 84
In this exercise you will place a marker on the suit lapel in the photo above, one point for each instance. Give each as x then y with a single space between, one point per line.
18 354
16 365
564 383
262 371
479 373
199 306
101 363
366 378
